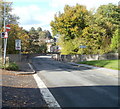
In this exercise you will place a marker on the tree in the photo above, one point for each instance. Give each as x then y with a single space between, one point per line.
17 33
39 29
95 39
45 35
115 42
10 19
48 34
77 26
38 40
70 23
68 26
33 40
67 47
108 17
33 34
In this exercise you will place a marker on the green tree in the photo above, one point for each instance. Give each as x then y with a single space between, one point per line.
70 23
33 34
67 47
108 17
17 33
68 27
95 39
38 40
115 42
39 29
44 34
10 18
33 40
43 37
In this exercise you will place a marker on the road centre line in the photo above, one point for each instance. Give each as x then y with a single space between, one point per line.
47 96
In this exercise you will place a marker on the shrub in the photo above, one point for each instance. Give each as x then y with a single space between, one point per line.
11 66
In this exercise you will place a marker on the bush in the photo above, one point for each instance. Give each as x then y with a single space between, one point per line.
11 66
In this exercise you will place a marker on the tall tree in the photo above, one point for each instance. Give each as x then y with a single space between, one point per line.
77 26
115 42
9 18
70 23
39 29
33 40
68 26
108 17
95 39
17 33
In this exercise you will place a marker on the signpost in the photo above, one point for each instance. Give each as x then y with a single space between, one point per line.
82 46
2 34
18 46
6 35
7 28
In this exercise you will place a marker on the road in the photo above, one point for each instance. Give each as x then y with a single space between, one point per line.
74 86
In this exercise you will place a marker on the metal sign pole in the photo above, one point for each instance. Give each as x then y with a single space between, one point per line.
20 55
4 38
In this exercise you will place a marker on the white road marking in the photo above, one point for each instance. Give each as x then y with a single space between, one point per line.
48 97
31 67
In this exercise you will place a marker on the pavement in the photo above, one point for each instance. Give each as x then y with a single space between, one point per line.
19 88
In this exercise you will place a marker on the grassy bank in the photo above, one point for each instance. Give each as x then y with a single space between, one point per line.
111 64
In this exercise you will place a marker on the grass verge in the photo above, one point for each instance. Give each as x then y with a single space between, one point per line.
111 64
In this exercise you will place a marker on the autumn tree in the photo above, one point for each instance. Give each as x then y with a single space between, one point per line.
115 42
108 17
70 23
9 18
95 39
68 26
77 26
17 33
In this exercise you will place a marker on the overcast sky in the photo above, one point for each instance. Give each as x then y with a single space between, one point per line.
39 13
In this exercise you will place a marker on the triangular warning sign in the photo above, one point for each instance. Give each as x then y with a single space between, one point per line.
6 35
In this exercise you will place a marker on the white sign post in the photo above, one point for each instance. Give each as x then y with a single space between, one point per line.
6 29
18 46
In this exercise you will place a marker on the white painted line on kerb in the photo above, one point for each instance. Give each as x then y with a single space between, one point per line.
47 96
31 67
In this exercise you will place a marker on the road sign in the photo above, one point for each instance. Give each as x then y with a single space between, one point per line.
18 44
82 46
6 35
7 28
2 34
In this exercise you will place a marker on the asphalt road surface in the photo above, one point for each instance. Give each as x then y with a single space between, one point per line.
74 86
